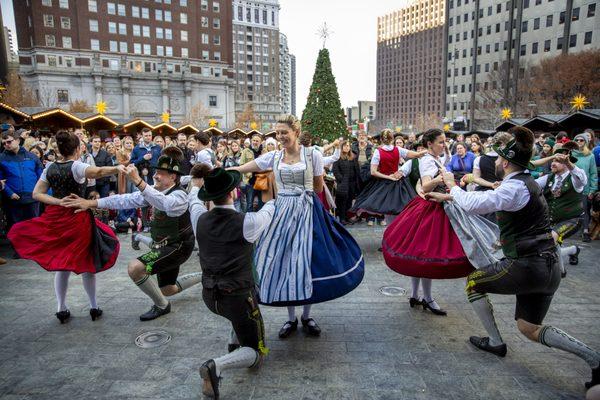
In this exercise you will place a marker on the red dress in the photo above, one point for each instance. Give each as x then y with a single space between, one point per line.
62 240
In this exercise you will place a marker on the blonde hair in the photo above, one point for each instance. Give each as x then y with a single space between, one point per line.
29 143
387 136
291 121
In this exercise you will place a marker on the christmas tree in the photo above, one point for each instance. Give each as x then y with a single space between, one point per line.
323 116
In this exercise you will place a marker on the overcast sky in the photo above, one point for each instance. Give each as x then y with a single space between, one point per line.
352 45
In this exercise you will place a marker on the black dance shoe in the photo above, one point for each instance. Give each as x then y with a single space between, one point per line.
63 316
426 306
483 343
574 258
155 312
208 372
135 244
586 238
95 313
287 329
310 329
232 347
414 302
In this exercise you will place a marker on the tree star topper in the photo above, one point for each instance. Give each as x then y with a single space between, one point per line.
165 117
324 33
506 113
101 107
579 102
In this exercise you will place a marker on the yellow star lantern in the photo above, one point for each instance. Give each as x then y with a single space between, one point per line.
398 129
253 126
506 113
579 102
446 127
165 117
101 107
213 123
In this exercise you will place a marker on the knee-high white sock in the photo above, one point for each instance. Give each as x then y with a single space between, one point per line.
483 308
149 285
233 339
291 313
306 311
244 357
426 283
144 239
415 287
561 262
189 280
554 337
568 250
61 283
89 285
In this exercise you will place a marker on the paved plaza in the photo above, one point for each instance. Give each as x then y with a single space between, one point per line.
372 347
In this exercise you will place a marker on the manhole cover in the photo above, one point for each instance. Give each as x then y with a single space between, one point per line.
152 339
392 291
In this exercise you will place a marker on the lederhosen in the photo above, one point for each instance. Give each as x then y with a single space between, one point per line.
565 207
226 258
530 270
173 244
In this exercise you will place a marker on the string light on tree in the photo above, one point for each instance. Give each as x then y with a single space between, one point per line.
101 107
579 102
506 113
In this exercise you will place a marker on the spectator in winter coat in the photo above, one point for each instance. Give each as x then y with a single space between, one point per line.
145 155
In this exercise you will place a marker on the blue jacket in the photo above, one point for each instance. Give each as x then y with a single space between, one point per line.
21 171
138 152
464 165
123 215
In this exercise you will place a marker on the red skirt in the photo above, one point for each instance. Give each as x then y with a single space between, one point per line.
421 243
62 240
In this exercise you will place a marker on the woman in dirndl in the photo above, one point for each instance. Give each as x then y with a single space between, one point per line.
430 240
62 239
387 192
305 257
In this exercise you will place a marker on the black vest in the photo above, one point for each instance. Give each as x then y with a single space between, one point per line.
225 255
527 231
171 229
61 181
487 166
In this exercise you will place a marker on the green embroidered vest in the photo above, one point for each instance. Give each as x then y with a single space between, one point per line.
565 204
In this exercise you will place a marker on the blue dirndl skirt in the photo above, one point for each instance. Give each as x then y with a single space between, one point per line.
336 262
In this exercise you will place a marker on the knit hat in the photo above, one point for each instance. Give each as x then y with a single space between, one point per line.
550 142
583 137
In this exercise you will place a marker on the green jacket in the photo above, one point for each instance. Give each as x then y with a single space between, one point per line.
588 165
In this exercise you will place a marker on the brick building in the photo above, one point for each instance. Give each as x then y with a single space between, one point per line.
141 57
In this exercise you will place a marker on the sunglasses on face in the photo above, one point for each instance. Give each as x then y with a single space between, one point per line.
7 143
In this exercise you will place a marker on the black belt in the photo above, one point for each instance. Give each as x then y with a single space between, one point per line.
534 245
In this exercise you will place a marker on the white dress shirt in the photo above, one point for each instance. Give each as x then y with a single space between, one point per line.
511 195
254 222
174 204
329 160
204 156
578 177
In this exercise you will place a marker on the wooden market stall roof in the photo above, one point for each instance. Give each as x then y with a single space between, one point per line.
99 122
236 133
188 129
509 123
134 126
164 128
18 116
56 118
213 131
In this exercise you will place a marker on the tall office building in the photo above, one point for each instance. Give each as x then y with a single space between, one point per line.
256 58
142 58
293 82
285 75
410 44
490 43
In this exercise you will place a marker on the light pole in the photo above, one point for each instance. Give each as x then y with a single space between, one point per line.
452 94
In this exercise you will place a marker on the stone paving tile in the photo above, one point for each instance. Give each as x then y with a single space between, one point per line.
372 346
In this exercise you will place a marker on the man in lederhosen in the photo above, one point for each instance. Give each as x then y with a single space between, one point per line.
156 272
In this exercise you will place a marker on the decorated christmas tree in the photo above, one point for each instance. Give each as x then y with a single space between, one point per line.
323 116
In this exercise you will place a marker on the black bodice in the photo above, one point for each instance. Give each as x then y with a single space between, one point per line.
61 180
